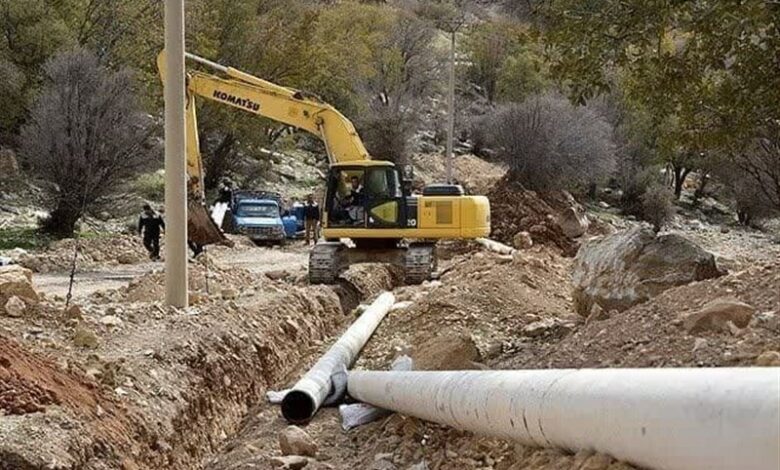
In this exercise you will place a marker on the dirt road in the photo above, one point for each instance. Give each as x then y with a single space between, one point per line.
291 258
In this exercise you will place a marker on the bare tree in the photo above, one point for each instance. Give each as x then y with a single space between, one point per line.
760 162
551 144
407 70
85 135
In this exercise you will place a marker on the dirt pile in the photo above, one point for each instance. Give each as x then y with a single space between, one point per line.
93 252
656 334
475 174
483 295
515 209
206 277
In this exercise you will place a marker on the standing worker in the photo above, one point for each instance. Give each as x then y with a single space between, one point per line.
150 225
311 219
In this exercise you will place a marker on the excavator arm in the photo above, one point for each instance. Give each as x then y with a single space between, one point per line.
262 98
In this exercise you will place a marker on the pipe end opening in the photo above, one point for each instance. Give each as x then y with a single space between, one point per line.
298 407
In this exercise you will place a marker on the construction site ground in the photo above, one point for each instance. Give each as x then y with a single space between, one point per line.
121 381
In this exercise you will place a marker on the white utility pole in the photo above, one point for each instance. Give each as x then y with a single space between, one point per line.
451 110
175 164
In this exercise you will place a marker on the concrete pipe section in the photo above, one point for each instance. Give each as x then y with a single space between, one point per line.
304 399
657 418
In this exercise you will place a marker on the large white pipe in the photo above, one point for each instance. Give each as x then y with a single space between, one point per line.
304 399
175 163
498 247
673 419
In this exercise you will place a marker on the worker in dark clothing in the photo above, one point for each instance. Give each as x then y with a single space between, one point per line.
226 191
311 218
150 225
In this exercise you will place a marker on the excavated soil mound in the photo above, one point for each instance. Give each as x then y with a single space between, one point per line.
515 209
475 174
483 295
93 252
654 334
31 385
205 275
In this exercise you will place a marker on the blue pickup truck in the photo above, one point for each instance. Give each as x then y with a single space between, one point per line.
258 215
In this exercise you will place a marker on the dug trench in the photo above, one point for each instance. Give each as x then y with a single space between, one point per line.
123 382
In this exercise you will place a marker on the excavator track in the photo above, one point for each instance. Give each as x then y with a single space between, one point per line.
324 262
419 263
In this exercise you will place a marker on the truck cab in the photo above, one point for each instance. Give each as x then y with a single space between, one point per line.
258 215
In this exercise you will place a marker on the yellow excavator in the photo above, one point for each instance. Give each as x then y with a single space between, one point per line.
368 214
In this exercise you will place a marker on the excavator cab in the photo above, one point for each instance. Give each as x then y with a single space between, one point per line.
365 196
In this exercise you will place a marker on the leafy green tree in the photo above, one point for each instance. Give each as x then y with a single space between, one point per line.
501 61
704 70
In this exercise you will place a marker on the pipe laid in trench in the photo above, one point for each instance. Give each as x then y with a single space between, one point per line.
658 418
304 399
495 246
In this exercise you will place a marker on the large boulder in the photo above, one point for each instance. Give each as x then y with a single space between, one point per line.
573 222
16 281
630 267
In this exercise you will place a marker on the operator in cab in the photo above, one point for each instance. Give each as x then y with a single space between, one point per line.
354 200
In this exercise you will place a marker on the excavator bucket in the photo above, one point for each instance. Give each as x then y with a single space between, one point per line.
201 227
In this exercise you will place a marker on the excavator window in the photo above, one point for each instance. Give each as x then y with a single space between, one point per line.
365 198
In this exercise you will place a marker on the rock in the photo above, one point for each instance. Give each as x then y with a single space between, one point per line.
523 241
546 327
446 351
16 281
196 298
699 343
716 315
277 275
85 338
573 222
229 293
597 462
768 359
597 313
419 466
295 441
726 264
604 205
111 320
126 258
15 307
74 312
9 166
382 465
292 462
630 267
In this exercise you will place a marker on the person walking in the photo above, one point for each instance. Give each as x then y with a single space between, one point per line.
311 219
150 226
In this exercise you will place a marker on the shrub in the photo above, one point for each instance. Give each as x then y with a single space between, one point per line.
658 205
151 186
551 144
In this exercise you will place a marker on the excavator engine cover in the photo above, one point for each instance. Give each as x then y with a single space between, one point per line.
443 190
